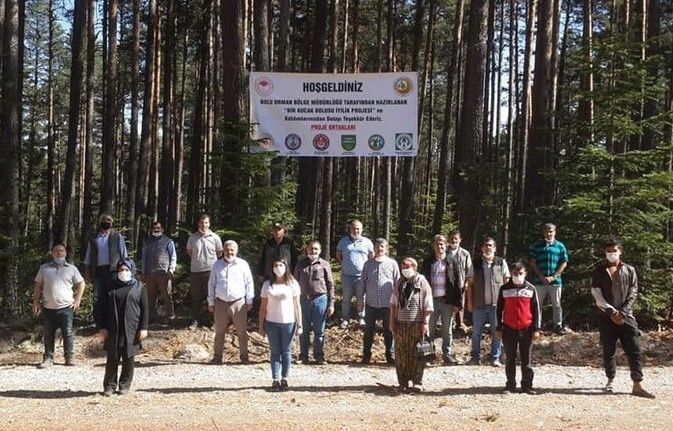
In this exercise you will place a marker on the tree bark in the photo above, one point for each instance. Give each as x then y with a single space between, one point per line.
110 111
51 195
134 151
166 186
586 107
653 48
76 77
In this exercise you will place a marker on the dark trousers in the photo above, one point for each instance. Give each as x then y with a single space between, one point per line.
101 278
627 334
111 366
373 314
523 340
53 319
199 287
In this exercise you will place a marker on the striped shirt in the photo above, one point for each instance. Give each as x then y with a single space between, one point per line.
548 258
412 308
378 280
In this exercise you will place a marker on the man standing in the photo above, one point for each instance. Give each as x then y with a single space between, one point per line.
316 283
159 262
352 252
203 247
465 273
230 293
53 298
379 275
490 273
614 286
548 260
442 273
104 250
278 246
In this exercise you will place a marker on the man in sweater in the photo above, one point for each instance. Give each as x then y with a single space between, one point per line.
159 261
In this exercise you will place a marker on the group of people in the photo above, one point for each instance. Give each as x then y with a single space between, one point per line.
297 297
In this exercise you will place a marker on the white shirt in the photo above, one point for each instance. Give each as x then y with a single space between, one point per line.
57 282
280 301
230 281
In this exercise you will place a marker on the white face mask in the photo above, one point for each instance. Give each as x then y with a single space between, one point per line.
279 270
408 272
59 260
313 256
613 256
157 234
518 280
124 276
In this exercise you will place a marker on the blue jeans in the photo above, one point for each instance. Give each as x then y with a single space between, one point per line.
351 285
61 318
313 316
479 317
280 344
101 279
446 312
371 316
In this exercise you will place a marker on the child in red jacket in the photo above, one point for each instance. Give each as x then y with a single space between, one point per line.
518 317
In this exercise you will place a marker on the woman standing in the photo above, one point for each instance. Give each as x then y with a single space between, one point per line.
123 321
410 310
280 319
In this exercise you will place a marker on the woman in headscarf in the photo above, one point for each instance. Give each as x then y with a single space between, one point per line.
123 321
280 319
410 310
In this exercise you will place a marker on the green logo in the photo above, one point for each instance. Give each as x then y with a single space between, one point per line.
348 142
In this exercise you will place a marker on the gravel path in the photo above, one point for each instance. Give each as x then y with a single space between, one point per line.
173 395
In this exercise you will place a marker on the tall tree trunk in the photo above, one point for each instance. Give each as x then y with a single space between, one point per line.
179 145
511 125
10 147
109 111
537 189
524 126
197 144
148 113
134 151
261 34
444 143
87 211
471 130
76 77
166 186
653 49
232 108
586 107
282 65
51 195
486 150
407 204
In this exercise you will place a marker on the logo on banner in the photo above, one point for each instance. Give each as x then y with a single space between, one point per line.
292 142
264 86
404 142
376 142
348 142
321 142
403 86
266 142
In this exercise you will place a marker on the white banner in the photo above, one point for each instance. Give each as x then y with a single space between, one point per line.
335 115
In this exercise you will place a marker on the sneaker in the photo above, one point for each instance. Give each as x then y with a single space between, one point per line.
529 391
560 330
193 326
284 386
496 363
124 391
508 391
609 389
275 386
302 361
46 363
108 392
416 388
450 360
344 324
474 361
70 362
362 322
320 361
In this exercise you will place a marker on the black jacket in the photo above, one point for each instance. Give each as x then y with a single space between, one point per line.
273 250
453 291
135 318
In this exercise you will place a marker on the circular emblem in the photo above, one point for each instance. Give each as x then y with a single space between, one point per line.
321 142
266 142
404 142
264 86
348 142
292 142
403 86
376 142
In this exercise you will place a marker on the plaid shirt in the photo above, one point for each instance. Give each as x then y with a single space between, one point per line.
548 258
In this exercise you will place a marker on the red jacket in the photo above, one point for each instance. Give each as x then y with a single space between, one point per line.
518 307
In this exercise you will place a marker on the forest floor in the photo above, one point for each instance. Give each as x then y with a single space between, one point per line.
175 388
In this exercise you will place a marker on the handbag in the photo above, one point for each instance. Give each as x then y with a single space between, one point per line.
425 349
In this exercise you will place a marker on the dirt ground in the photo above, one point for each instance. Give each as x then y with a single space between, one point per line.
186 393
